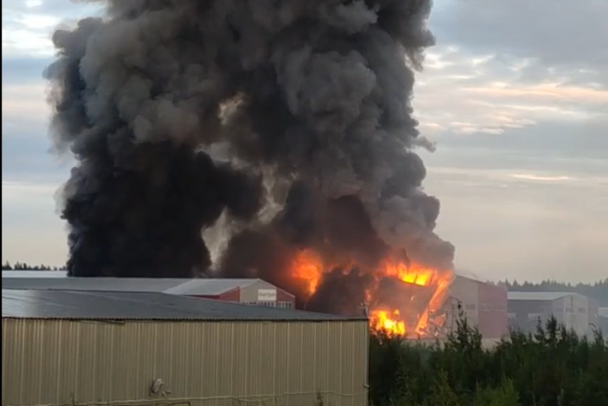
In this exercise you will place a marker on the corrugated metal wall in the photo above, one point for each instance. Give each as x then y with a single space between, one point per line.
57 362
493 320
466 292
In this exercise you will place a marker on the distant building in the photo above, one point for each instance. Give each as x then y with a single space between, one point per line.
112 348
247 291
574 311
482 303
602 320
34 274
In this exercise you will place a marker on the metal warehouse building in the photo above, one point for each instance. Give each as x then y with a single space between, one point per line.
602 319
573 310
484 305
249 291
111 348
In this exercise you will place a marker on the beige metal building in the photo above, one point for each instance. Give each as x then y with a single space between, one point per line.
117 348
602 320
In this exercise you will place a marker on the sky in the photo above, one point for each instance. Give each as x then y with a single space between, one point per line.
515 95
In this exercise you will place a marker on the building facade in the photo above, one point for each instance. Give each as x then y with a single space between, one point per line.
602 320
106 348
572 310
247 291
483 304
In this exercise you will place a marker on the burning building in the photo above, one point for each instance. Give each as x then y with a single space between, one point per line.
280 133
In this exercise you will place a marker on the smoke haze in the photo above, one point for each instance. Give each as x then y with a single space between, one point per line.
293 118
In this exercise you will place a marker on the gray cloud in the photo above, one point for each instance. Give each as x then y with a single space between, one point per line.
588 139
518 75
59 8
27 26
467 101
561 33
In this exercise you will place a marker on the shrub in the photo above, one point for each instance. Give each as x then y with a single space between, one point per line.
553 366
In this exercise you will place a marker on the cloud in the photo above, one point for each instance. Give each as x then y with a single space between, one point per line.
460 94
517 75
529 176
27 25
552 37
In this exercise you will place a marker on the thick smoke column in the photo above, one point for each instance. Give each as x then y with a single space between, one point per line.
178 111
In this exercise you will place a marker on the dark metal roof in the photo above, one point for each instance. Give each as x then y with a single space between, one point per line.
81 305
538 296
186 287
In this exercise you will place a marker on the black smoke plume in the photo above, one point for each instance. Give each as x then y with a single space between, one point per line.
292 117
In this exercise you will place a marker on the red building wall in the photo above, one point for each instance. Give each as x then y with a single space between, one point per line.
230 296
283 296
235 296
493 318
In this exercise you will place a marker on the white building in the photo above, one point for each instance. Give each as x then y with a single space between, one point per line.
572 310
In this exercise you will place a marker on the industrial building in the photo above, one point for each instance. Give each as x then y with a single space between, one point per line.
248 291
34 274
482 303
602 320
111 348
574 311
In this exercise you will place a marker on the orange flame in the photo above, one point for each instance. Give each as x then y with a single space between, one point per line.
413 317
307 267
435 282
383 320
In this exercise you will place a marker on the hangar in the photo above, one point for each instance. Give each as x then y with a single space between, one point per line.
108 348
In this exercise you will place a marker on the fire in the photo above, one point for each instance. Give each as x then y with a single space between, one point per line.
404 298
383 320
420 311
409 274
308 268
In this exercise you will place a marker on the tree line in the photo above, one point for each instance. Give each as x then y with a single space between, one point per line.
23 266
550 367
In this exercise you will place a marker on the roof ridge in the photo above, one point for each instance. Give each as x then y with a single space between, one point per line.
96 305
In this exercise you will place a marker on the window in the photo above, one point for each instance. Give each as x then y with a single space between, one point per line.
284 305
500 308
470 307
582 310
263 304
568 310
486 307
